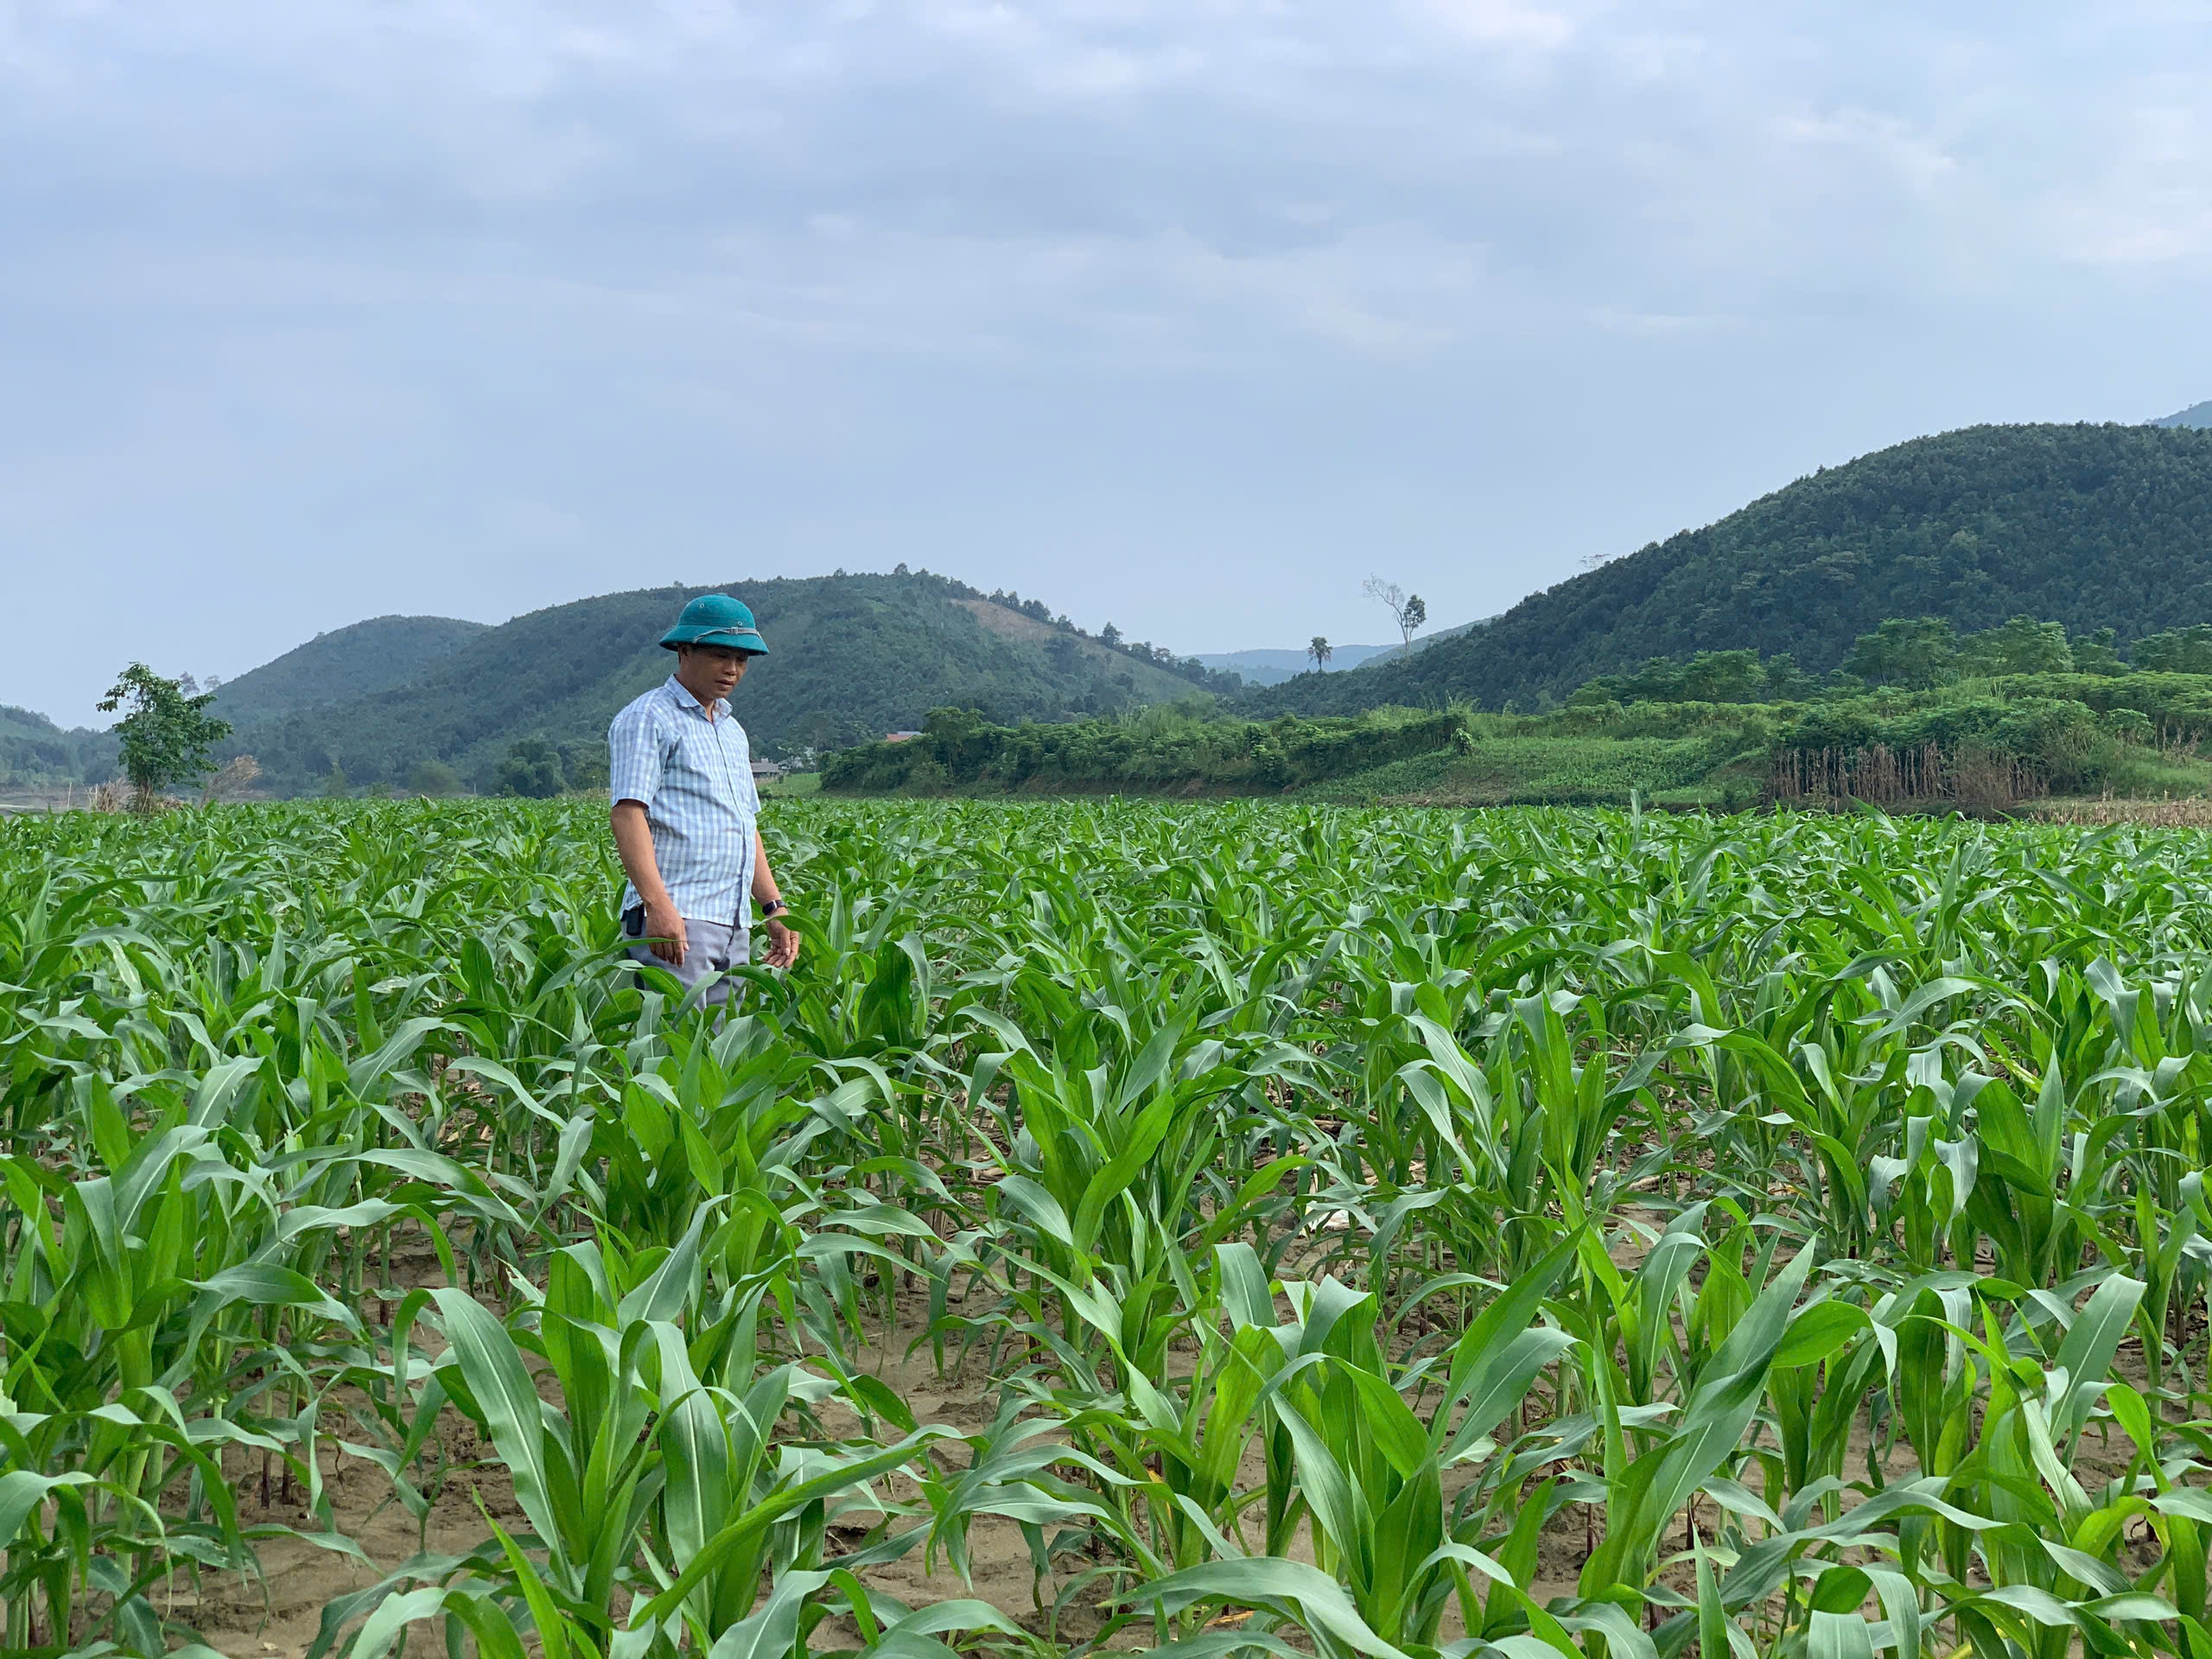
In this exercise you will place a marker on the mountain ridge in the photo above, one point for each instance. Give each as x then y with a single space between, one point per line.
2094 526
852 655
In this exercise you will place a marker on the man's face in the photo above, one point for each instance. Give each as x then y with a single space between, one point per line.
710 671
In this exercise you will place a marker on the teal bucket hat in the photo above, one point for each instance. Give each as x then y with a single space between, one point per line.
716 619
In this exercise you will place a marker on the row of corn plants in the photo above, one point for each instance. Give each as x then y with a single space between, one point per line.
1385 1233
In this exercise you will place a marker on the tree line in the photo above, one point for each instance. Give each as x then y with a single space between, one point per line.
1909 653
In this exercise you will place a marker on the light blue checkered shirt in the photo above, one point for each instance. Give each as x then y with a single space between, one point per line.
694 777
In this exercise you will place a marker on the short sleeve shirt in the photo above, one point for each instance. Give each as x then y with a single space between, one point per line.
694 777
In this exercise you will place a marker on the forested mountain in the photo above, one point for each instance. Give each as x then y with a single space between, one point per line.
34 751
2194 415
2091 526
345 663
853 657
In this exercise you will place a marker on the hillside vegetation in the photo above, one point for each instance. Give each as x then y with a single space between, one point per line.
34 752
1929 720
2091 526
854 656
1164 748
344 664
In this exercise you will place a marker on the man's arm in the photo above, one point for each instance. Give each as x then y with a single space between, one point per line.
783 944
634 842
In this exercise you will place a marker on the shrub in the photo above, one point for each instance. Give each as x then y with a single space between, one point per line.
588 764
433 777
533 770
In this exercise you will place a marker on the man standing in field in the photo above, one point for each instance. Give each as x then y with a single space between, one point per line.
686 816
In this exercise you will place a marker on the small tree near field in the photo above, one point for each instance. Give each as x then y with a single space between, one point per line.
1320 651
166 734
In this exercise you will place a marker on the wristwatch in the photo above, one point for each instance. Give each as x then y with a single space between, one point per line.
774 907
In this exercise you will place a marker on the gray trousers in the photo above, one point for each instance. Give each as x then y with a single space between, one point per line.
711 949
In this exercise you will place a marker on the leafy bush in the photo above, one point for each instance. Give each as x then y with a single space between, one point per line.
587 763
433 777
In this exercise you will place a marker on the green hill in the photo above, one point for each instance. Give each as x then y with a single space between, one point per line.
2092 526
34 752
854 656
345 663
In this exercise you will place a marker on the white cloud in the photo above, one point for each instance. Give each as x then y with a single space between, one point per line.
1892 143
517 278
2151 201
1503 23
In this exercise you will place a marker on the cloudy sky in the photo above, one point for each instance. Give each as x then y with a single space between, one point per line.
1183 313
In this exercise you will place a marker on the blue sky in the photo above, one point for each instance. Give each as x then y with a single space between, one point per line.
1187 315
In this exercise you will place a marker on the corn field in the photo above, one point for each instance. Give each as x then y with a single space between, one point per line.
1533 1234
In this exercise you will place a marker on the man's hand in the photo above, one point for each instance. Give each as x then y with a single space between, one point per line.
783 944
664 927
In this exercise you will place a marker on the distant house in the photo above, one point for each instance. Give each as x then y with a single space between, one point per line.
765 769
900 737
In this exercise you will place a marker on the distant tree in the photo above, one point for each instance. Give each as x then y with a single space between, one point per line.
1786 682
433 777
2094 654
1320 651
337 786
1407 614
2022 645
2179 651
166 734
531 769
1110 635
1723 676
1658 679
1388 594
1908 651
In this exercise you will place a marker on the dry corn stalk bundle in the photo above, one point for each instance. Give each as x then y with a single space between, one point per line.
1878 775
